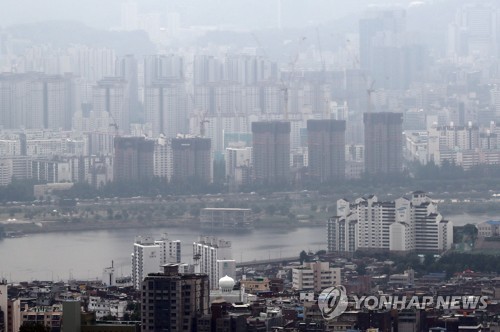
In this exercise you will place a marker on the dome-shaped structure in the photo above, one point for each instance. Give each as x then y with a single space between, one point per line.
226 284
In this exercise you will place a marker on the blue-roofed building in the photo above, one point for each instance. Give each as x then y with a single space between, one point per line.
488 228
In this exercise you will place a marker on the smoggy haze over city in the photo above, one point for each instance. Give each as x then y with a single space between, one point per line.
247 165
242 14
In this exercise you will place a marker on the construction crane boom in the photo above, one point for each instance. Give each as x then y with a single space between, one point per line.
202 127
286 86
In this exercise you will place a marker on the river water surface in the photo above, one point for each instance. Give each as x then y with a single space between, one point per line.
60 256
83 255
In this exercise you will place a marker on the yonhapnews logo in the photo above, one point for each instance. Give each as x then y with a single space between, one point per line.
333 302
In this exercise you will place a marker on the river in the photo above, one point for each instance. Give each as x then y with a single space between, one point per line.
83 255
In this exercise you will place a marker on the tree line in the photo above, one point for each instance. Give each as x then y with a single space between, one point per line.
431 178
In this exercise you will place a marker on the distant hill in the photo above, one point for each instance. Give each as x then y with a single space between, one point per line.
66 33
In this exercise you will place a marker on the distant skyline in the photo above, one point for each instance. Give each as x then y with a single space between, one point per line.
240 14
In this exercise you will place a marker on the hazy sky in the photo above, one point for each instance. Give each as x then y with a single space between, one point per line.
242 13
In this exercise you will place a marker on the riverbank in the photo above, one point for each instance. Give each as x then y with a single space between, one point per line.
36 227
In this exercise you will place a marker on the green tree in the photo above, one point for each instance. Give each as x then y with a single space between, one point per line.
284 209
361 269
109 318
194 211
271 209
429 260
303 257
470 231
256 209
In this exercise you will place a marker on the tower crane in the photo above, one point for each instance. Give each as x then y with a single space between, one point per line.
369 92
369 86
285 86
322 60
114 124
202 124
202 127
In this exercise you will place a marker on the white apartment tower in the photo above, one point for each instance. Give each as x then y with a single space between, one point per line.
149 254
163 158
208 254
406 224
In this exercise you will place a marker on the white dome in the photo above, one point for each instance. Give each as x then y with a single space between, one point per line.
226 283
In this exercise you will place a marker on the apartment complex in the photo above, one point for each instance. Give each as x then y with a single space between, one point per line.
149 254
406 224
36 100
210 255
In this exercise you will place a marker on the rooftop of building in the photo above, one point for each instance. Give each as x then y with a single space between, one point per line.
492 222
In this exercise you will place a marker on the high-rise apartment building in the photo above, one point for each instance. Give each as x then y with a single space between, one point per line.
378 22
448 142
238 161
173 301
391 58
149 254
91 63
215 126
3 305
10 310
163 164
208 254
58 102
72 312
110 96
406 224
127 68
37 101
474 31
165 106
161 67
191 159
271 151
383 142
14 167
326 149
134 159
206 69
